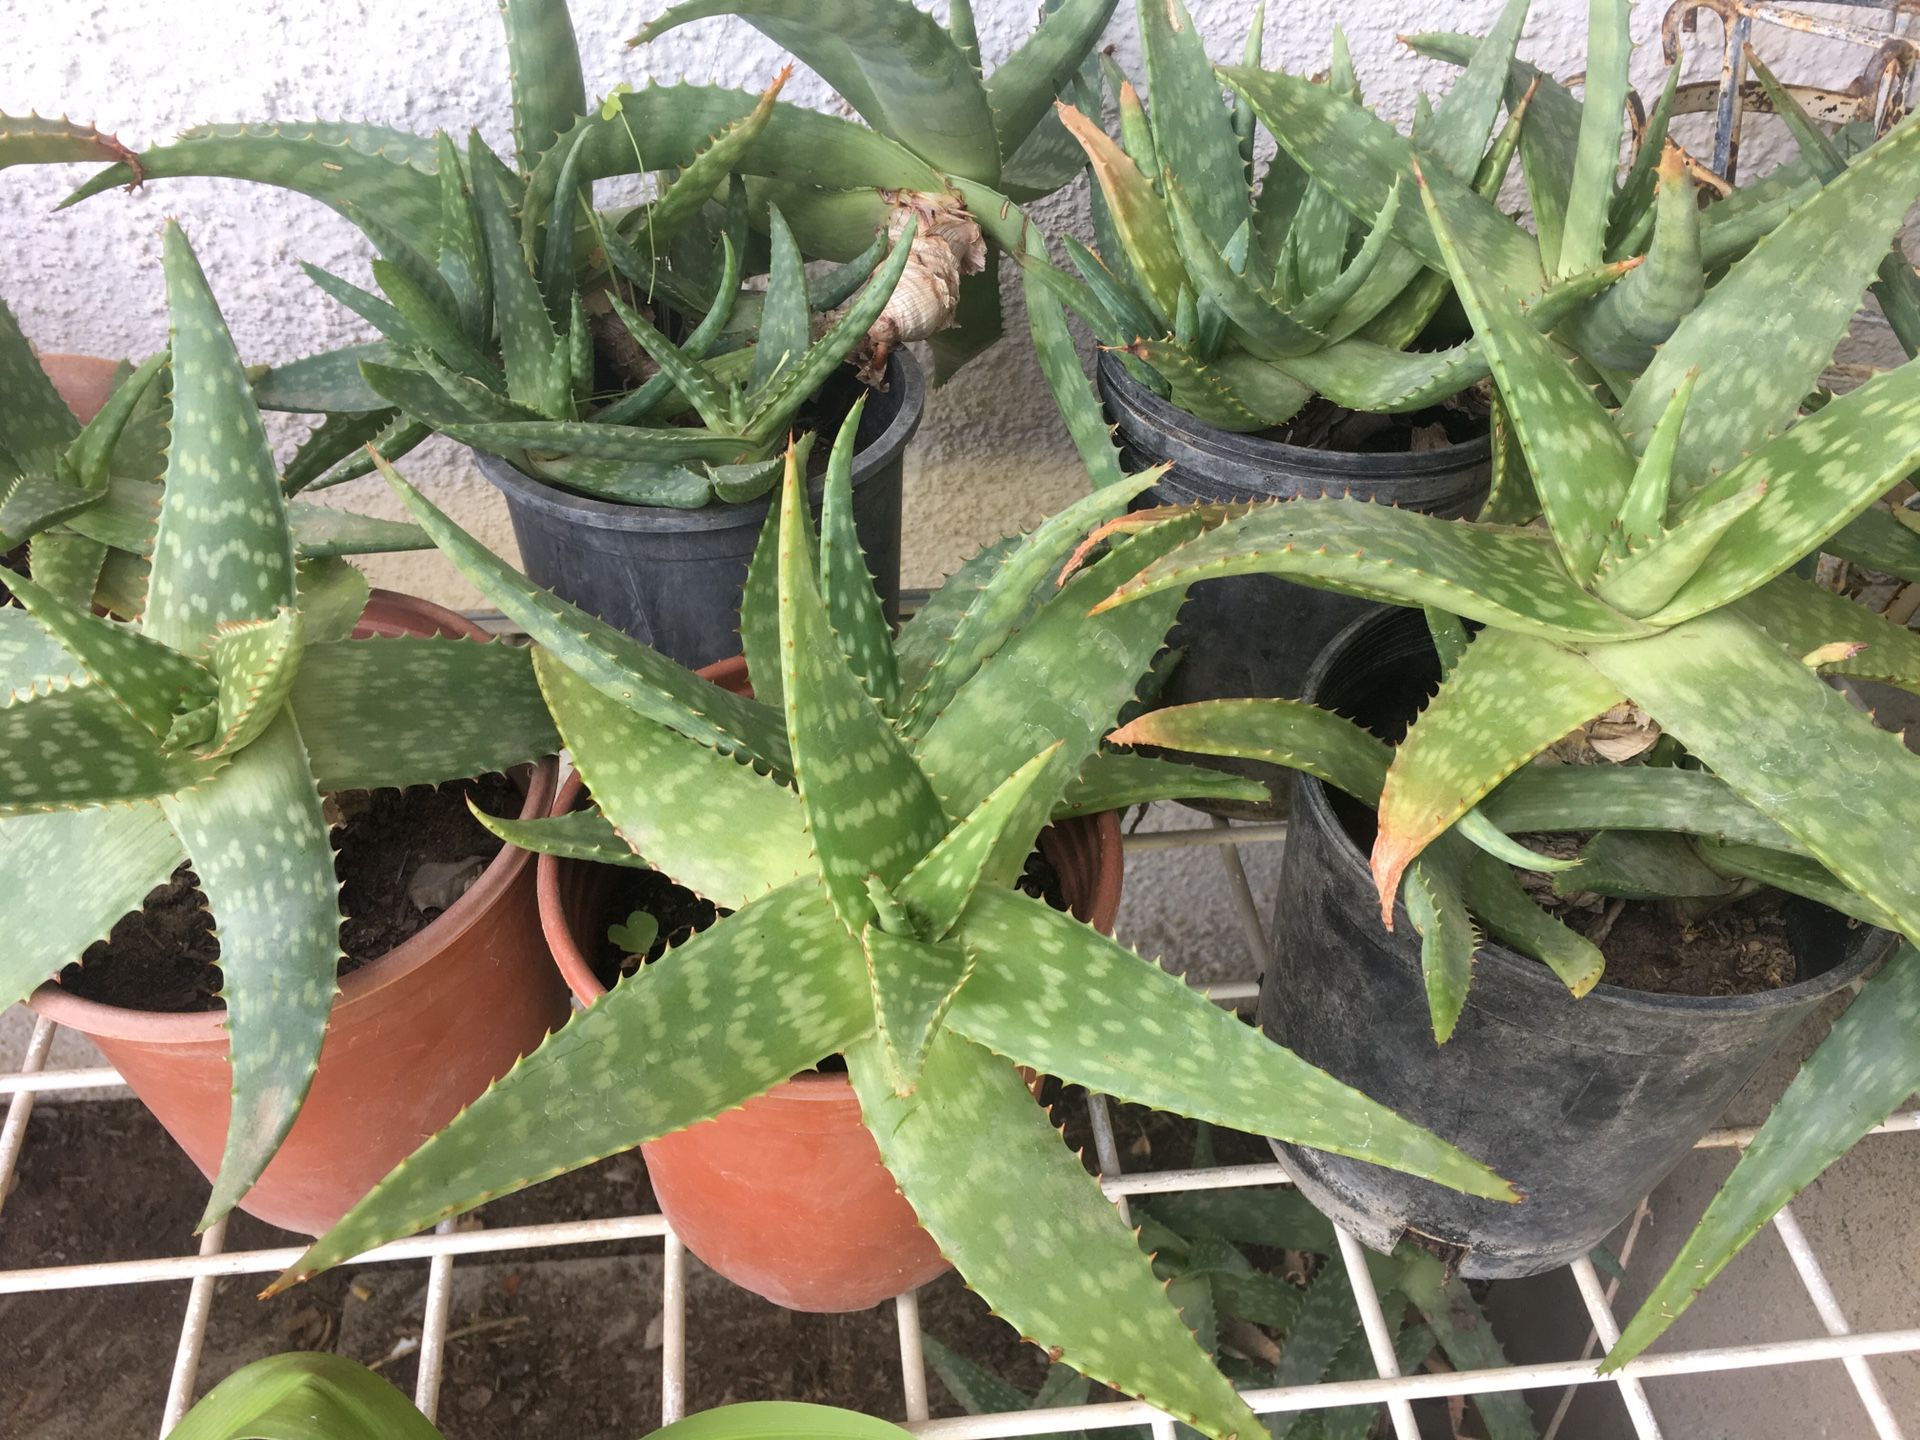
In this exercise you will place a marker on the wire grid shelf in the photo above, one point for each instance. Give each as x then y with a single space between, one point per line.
443 1246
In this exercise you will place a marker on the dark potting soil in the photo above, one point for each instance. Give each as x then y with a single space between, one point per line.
402 857
1741 949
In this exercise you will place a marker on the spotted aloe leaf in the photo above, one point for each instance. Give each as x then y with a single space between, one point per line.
1795 874
1682 678
530 348
1435 892
544 72
913 982
719 827
30 504
1359 158
892 62
1630 797
37 427
1452 757
29 654
1021 91
153 683
38 140
401 711
1820 474
1801 617
925 635
785 325
222 549
1036 962
1280 732
1751 388
846 585
734 1011
1867 1065
1139 216
107 861
1494 895
1095 1270
1004 600
255 663
386 172
1192 132
989 846
1553 414
1115 780
1640 313
279 929
578 835
868 807
68 743
1645 576
333 597
1596 162
1498 576
1264 325
614 663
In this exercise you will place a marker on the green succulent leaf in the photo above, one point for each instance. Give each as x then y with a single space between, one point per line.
107 861
1495 897
913 981
1685 679
1455 753
279 930
1114 780
1139 216
1643 865
34 140
30 504
1644 578
321 532
409 710
1795 874
310 1395
529 345
1880 540
1291 733
1046 988
255 663
1436 900
684 806
846 585
1465 1335
1751 384
1192 131
926 634
578 835
1630 797
1509 578
991 844
868 807
222 550
1095 1271
1802 617
333 597
1327 1320
544 72
1596 162
67 743
706 1027
29 654
614 663
785 322
92 455
334 439
385 172
1643 310
1867 1065
1021 91
327 382
890 60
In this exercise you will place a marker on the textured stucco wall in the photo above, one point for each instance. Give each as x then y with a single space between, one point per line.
992 454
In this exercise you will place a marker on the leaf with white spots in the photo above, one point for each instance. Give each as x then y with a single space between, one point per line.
259 845
1029 1230
1479 729
1795 874
1581 468
255 663
868 808
745 1004
333 597
1818 476
1006 596
1114 780
760 615
578 835
1644 575
153 682
846 585
30 504
1800 753
611 661
913 982
68 743
1801 616
1867 1065
409 710
107 861
1054 994
1435 896
1630 797
925 635
222 550
28 654
36 427
716 825
1503 577
989 846
1495 896
1764 333
322 531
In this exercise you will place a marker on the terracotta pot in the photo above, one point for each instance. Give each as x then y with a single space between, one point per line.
84 381
415 1035
786 1195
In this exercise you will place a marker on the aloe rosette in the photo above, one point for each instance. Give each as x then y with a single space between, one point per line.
207 730
864 817
1660 574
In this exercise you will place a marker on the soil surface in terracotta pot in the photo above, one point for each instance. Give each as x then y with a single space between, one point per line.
402 856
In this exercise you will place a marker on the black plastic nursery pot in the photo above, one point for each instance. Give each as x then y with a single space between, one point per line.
1585 1105
1257 635
672 578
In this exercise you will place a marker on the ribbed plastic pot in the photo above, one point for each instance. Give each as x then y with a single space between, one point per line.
1585 1105
787 1196
414 1036
673 578
1255 634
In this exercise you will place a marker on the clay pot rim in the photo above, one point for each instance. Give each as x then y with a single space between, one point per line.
361 986
1104 903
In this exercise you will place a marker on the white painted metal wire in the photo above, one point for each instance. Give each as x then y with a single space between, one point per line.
443 1247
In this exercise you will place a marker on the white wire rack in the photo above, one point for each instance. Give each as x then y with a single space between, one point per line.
442 1248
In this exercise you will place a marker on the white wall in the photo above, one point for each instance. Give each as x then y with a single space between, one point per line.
992 454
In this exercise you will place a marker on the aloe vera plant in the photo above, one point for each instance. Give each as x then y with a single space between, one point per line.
1241 301
208 728
1661 574
864 817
